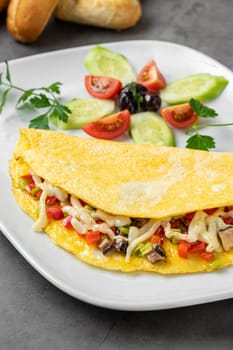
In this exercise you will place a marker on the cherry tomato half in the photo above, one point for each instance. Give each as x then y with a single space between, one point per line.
151 77
109 127
179 116
102 87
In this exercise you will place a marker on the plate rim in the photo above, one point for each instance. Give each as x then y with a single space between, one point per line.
110 304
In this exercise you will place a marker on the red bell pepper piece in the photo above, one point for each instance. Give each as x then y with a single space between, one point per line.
208 256
67 223
92 237
183 248
55 213
198 247
51 200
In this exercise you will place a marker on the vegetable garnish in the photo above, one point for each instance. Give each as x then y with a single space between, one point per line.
102 87
44 97
198 141
137 98
109 127
179 116
151 77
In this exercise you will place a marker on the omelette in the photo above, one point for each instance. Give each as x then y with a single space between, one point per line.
127 207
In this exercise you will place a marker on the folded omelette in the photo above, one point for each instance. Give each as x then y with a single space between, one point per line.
127 207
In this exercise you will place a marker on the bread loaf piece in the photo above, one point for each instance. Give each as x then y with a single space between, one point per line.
3 4
26 19
115 14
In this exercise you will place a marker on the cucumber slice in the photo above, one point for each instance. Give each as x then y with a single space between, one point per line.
199 86
84 111
102 61
149 127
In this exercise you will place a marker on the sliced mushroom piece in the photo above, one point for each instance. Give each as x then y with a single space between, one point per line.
157 254
105 246
120 243
139 222
226 237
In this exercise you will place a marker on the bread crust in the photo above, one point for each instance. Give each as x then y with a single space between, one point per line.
115 14
26 19
3 4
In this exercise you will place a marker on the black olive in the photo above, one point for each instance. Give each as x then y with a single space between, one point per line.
126 101
140 89
151 101
130 97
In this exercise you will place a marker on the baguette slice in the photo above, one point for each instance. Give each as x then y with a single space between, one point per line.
115 14
3 4
26 19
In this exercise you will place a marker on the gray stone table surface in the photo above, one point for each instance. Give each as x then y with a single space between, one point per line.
36 315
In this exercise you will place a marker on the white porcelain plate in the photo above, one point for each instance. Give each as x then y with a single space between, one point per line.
137 291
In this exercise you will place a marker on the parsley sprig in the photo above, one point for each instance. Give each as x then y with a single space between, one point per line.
199 141
137 96
40 98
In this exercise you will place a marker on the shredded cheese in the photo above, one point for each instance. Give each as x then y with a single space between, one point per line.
204 228
48 190
145 233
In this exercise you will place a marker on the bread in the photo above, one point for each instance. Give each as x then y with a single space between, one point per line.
3 4
26 19
115 14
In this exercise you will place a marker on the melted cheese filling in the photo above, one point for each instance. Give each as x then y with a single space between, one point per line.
203 227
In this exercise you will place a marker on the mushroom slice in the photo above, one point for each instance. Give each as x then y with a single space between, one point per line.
120 243
105 246
157 254
226 237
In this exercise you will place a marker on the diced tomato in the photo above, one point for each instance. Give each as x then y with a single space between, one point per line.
82 202
183 248
155 239
228 208
188 218
228 221
51 200
158 236
92 237
109 127
208 256
102 87
29 187
198 247
151 77
55 213
159 231
179 116
37 194
210 211
28 177
175 223
67 223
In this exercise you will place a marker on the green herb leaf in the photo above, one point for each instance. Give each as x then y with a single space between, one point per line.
40 101
8 75
25 96
3 99
55 87
137 97
61 112
43 97
202 110
201 142
40 122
